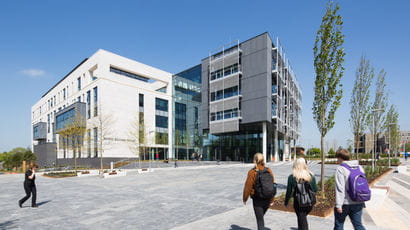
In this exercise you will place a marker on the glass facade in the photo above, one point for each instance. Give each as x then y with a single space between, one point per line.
63 119
128 74
187 103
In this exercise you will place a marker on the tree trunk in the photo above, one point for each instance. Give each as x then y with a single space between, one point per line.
322 167
357 146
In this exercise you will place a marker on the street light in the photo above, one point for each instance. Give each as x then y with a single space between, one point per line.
374 134
390 141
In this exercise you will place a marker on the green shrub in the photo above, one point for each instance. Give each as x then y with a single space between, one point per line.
61 174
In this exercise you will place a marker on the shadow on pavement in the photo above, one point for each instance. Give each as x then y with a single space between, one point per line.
8 224
43 202
236 227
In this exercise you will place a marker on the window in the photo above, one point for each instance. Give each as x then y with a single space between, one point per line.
88 104
224 72
95 142
89 143
141 100
219 115
95 91
79 98
36 132
180 116
161 121
79 83
48 123
162 90
161 138
63 119
64 94
161 104
128 74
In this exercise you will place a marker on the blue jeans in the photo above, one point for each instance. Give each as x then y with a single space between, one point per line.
354 211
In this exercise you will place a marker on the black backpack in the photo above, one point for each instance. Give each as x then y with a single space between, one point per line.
264 186
304 194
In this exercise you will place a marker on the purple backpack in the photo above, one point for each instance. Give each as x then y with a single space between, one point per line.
358 186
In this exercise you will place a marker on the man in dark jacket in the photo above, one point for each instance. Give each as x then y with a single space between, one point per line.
30 186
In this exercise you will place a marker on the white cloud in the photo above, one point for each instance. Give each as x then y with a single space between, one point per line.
33 73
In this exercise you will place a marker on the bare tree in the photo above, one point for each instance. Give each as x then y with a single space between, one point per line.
104 124
140 138
359 101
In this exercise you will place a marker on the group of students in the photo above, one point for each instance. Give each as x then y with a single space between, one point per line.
301 185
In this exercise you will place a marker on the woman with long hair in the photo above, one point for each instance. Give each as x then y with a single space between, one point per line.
30 186
260 205
300 174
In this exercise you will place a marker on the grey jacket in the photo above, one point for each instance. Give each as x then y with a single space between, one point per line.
342 184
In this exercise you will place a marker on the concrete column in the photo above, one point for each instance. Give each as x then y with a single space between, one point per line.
265 141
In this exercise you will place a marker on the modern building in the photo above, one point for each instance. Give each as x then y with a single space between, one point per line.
404 136
251 101
123 106
186 98
241 99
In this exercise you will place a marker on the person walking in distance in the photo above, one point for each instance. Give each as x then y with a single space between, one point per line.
30 186
301 176
259 186
345 204
406 155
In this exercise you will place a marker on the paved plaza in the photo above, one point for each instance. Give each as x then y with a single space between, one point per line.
193 197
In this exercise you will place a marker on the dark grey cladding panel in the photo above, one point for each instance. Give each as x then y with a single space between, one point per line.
46 154
205 95
41 129
256 80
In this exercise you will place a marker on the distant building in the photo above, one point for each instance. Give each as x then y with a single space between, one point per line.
242 99
251 101
105 85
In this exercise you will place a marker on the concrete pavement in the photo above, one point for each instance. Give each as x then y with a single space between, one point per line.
207 197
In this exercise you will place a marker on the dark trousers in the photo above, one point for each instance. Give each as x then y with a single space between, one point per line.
354 211
30 188
301 214
260 207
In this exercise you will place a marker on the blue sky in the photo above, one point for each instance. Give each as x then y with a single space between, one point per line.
41 41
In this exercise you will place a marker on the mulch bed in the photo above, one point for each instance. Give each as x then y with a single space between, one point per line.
60 175
323 207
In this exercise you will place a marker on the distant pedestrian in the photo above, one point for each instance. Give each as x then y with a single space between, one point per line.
406 155
301 179
345 206
176 164
30 186
259 185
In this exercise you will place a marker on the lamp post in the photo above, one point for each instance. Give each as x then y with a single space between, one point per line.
374 135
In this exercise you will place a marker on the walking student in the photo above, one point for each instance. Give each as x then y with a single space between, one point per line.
30 186
345 204
301 182
259 186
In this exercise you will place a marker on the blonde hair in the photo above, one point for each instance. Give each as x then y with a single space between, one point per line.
301 171
258 159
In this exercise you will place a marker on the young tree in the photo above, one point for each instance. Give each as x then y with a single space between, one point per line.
140 138
74 132
392 129
328 59
379 106
359 101
103 122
